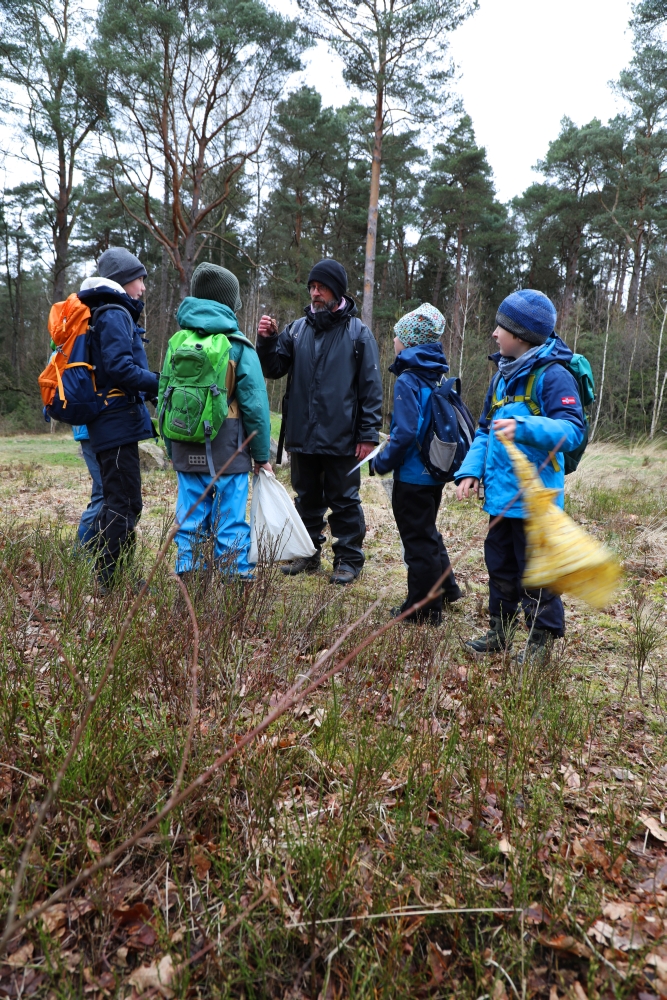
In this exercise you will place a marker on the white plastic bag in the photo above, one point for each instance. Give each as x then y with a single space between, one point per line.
275 522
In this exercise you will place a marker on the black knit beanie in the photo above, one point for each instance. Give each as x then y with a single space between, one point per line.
210 281
119 265
332 274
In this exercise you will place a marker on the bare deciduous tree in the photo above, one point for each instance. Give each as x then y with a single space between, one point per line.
194 84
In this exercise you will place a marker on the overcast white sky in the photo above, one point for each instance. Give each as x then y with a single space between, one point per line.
523 65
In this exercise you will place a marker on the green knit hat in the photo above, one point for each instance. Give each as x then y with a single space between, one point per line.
210 281
424 325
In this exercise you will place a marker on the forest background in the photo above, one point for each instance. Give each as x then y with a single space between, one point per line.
168 127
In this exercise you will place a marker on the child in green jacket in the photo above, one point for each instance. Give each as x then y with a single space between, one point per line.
209 309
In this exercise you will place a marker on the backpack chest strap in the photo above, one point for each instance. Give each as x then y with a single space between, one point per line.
528 397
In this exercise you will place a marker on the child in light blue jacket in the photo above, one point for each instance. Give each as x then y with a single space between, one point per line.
534 400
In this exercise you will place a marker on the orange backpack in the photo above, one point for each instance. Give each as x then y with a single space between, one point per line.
67 383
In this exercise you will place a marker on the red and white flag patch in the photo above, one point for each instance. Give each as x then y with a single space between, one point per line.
568 400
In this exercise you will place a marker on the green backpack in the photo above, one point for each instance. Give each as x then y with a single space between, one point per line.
192 398
579 367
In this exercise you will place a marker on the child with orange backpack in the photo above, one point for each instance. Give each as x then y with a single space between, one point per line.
98 375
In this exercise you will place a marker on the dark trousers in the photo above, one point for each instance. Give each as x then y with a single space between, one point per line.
505 555
322 481
121 483
415 509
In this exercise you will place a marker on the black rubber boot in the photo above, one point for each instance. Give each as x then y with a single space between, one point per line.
538 648
498 639
309 564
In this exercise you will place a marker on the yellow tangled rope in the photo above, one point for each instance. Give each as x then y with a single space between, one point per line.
560 556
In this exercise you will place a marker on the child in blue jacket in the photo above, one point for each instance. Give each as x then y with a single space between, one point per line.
420 363
527 344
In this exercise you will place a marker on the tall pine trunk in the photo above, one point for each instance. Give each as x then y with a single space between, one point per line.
372 230
633 291
61 231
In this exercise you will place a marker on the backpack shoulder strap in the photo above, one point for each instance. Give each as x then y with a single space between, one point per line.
297 327
453 382
354 326
107 308
534 378
528 396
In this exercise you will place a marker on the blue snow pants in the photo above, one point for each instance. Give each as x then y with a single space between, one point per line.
222 513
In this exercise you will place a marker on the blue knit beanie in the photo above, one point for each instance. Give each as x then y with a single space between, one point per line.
528 314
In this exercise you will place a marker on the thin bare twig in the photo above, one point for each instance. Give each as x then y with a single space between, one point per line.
293 697
10 923
194 671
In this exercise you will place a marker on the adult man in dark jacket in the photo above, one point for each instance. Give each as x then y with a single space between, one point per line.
121 370
334 413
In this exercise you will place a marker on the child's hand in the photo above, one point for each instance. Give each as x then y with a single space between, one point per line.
464 486
508 428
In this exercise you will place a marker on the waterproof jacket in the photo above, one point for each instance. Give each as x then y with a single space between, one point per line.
335 398
417 369
248 402
121 366
561 417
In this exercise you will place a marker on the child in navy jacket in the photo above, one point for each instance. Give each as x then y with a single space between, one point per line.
420 363
527 342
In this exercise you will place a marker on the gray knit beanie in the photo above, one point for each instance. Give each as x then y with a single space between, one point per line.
121 266
210 281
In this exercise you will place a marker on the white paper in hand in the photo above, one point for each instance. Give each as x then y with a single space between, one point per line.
275 524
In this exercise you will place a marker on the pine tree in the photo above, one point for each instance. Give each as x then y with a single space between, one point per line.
460 196
393 51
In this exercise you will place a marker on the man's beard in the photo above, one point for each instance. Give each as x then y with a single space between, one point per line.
330 306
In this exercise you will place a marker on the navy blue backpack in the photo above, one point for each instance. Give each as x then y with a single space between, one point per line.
448 429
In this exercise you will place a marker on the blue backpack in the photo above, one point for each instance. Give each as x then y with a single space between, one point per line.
448 430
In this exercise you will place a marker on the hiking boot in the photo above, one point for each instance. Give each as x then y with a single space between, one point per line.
421 617
452 595
498 639
538 648
309 564
343 576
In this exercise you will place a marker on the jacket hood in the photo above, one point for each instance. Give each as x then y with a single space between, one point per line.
206 315
108 294
553 349
428 358
328 320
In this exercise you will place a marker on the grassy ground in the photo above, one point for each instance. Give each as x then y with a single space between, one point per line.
422 825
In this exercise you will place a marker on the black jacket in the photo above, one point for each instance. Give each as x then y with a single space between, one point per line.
117 351
335 398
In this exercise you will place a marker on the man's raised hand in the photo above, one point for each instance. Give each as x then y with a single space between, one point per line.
267 326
